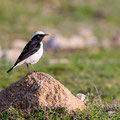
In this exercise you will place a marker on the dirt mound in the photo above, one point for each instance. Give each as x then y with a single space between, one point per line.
38 90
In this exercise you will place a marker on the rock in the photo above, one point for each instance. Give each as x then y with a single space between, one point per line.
86 33
76 42
81 96
18 44
86 39
89 38
112 112
11 54
61 42
50 44
38 90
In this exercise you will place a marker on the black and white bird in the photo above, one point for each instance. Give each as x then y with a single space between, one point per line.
32 52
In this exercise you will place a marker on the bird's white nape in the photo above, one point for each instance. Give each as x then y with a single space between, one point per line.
37 32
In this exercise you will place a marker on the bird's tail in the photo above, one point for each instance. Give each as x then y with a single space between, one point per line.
15 65
10 69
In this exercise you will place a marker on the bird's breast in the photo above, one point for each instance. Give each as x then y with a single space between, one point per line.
36 56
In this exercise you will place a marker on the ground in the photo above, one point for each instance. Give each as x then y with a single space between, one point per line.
81 71
91 72
19 19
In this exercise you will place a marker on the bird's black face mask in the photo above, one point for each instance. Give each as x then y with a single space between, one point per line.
38 38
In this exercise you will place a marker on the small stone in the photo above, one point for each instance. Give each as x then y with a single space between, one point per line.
81 96
83 40
111 112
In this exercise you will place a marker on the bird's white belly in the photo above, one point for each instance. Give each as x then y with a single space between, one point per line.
35 57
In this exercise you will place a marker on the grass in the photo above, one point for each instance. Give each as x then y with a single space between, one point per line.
95 112
19 19
83 73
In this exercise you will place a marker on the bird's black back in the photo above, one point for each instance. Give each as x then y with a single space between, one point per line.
29 49
32 47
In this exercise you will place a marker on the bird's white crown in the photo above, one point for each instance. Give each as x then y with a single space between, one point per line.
38 33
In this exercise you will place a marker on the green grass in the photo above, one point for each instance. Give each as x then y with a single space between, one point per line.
93 112
83 72
19 19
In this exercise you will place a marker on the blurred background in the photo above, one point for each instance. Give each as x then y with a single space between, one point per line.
81 51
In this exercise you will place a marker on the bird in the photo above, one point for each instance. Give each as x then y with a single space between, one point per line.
32 51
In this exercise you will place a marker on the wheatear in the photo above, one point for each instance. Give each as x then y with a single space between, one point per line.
32 52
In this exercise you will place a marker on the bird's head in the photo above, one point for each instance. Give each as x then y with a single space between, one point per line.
38 36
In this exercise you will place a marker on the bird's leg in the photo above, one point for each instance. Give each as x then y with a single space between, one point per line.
28 68
33 68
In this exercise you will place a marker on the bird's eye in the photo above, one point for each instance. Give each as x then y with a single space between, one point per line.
38 36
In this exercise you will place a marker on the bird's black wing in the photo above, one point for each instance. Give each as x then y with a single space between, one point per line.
29 49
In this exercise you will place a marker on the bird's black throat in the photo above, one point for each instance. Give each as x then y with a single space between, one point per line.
37 38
